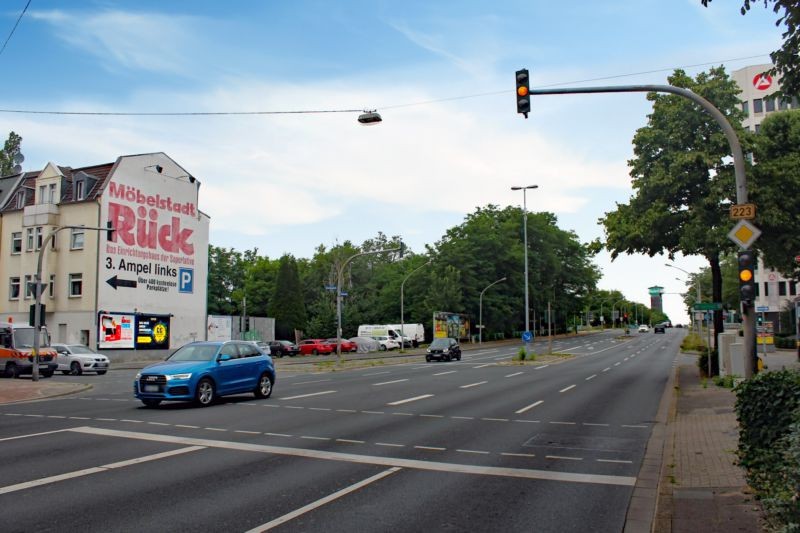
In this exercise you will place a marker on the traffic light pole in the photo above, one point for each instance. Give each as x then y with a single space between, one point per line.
748 311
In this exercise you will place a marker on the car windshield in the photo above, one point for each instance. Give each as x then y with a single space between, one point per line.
285 343
23 338
195 352
79 348
440 343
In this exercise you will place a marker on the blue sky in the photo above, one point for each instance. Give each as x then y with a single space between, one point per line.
288 183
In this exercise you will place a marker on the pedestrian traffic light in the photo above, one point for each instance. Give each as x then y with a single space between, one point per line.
760 320
747 274
523 92
110 231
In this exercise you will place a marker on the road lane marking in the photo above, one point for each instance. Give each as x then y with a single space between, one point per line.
528 421
390 445
481 366
94 470
216 429
307 382
314 438
319 409
564 423
346 411
540 367
247 432
277 434
635 426
617 363
565 389
463 417
472 385
373 412
508 454
350 441
473 451
407 400
389 382
434 448
323 501
495 419
515 374
403 414
531 406
591 377
614 461
448 372
432 416
564 458
309 395
376 374
606 369
32 434
593 424
185 426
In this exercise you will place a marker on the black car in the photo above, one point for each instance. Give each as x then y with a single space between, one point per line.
281 348
659 328
443 350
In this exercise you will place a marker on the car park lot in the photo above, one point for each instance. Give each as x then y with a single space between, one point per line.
348 450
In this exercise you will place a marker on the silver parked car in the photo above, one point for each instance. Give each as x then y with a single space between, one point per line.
76 359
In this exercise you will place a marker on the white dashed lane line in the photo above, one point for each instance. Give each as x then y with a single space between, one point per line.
389 382
565 389
414 399
531 406
473 385
308 395
448 372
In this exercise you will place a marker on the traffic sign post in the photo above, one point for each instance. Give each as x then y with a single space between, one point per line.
707 306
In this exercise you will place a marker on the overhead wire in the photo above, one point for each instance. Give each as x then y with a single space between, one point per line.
15 26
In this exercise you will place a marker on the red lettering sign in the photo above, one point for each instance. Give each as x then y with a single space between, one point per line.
141 228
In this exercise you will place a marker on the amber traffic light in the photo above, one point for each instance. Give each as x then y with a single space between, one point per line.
523 92
747 274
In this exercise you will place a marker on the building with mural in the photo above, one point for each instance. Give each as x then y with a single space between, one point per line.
132 294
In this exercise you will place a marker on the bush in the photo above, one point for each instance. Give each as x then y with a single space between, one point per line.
785 342
693 343
768 410
521 354
702 363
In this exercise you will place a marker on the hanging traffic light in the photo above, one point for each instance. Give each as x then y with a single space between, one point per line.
523 92
747 275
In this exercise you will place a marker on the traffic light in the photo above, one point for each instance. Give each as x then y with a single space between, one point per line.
760 320
402 249
110 231
747 275
523 92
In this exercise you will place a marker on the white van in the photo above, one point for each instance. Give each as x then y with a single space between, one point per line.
415 333
380 331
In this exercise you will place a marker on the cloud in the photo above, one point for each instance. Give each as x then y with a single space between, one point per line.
121 39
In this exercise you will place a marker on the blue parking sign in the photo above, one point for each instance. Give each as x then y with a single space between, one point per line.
186 280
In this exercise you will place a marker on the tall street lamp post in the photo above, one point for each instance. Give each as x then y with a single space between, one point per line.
480 309
525 240
37 283
402 311
699 298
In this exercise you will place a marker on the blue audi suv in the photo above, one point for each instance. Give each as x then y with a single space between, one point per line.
203 371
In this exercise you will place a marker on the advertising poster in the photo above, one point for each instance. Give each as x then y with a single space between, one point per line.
115 331
219 328
152 332
451 325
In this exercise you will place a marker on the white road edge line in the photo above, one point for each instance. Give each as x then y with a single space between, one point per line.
531 406
323 501
33 435
95 469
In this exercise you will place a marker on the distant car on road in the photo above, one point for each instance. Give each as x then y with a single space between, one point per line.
203 371
281 348
263 346
643 328
76 359
660 328
443 349
347 346
316 347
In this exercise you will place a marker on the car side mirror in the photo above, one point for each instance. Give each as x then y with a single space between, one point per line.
224 357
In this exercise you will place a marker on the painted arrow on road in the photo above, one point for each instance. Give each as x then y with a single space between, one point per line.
114 282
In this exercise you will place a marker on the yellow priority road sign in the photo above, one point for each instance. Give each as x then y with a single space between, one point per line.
744 234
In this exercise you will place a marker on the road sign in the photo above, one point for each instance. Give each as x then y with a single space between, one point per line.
527 336
762 309
743 211
330 287
707 306
744 234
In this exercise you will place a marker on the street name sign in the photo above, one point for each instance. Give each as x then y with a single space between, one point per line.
707 306
762 309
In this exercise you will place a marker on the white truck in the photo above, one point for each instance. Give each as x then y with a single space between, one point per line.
414 334
383 330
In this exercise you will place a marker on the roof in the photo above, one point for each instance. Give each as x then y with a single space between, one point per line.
28 181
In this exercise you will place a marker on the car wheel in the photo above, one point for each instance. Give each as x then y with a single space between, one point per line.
12 371
458 358
428 358
278 353
204 395
314 352
383 348
264 388
150 402
75 369
101 372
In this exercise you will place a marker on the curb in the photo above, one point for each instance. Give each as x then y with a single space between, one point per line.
82 388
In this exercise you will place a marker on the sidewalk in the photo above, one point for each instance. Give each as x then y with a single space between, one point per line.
701 488
25 389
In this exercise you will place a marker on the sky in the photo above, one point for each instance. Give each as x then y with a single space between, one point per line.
441 74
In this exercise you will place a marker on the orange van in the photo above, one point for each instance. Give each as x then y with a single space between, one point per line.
16 351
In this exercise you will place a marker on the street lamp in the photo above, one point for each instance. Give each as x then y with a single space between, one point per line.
480 309
525 238
696 280
339 297
613 308
37 283
402 311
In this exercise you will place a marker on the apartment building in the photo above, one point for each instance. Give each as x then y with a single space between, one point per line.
774 291
132 294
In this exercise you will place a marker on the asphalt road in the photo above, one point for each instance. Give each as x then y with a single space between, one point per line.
474 445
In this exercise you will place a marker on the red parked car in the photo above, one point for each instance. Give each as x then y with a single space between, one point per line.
347 346
315 347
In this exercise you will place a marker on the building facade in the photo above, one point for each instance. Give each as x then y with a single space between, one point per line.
774 292
133 293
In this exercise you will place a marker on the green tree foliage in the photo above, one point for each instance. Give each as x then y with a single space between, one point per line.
775 180
225 275
681 175
10 150
786 60
287 306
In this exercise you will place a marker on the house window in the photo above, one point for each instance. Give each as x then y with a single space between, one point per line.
75 285
766 288
79 189
20 199
16 242
28 286
51 193
783 104
13 289
758 128
76 239
758 105
792 289
29 239
51 287
770 104
42 188
781 288
39 233
746 108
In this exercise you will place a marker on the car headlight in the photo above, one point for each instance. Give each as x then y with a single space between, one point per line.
138 375
446 350
170 377
428 350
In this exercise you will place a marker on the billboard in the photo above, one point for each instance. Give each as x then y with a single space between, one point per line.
450 325
152 332
115 331
219 328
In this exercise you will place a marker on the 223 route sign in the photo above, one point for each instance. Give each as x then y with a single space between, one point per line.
743 211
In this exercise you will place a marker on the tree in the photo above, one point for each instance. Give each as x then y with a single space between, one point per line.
681 175
225 275
786 60
775 190
9 152
286 305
